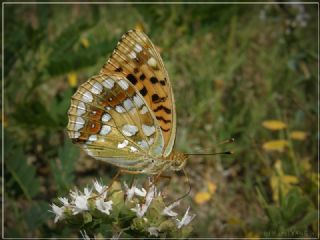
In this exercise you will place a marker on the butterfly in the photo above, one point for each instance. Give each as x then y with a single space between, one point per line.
126 115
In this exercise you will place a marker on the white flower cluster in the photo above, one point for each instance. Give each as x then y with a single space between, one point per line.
79 202
141 209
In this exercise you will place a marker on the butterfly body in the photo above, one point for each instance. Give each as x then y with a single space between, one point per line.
125 115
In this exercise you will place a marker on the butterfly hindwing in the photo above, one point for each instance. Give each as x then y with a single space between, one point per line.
112 122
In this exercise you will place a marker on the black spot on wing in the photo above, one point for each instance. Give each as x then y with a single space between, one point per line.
156 99
165 130
162 119
142 77
154 80
143 91
132 79
167 110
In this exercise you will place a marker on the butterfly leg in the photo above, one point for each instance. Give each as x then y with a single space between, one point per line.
153 181
121 171
163 176
158 177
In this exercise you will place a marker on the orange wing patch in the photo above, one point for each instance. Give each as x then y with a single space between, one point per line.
136 58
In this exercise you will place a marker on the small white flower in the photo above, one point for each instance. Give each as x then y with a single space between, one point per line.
151 193
154 231
58 211
130 192
87 192
64 201
142 209
137 209
80 201
81 204
141 193
185 220
103 206
74 194
168 210
100 188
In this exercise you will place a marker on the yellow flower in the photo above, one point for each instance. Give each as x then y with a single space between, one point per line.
274 125
280 181
212 187
202 197
298 135
85 42
289 179
275 145
72 79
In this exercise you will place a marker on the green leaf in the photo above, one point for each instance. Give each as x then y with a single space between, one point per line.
63 168
75 60
274 216
64 58
33 114
59 107
68 37
295 205
40 210
23 174
307 220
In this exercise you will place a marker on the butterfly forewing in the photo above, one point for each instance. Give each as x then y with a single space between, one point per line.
112 122
136 58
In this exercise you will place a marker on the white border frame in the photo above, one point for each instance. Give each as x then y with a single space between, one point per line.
150 3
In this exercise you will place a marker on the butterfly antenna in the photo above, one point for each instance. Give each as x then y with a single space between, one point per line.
231 140
210 154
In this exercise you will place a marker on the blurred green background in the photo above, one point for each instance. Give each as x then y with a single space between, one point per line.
234 68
